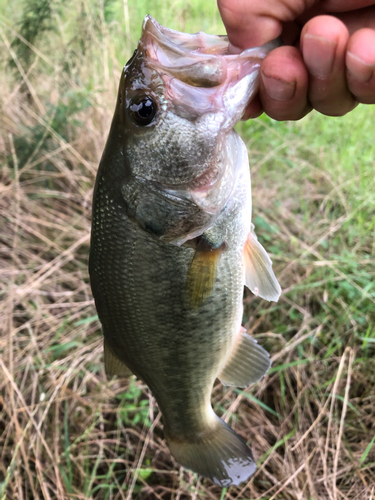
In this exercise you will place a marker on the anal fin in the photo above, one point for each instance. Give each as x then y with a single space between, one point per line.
247 364
113 366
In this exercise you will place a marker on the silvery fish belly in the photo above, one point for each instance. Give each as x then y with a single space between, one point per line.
172 241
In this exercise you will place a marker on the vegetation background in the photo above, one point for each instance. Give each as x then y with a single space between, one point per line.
68 433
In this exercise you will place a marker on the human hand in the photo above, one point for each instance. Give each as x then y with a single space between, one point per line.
327 62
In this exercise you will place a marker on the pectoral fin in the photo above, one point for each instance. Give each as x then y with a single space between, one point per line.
259 276
113 366
202 272
247 364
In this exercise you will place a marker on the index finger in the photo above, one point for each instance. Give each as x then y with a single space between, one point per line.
250 23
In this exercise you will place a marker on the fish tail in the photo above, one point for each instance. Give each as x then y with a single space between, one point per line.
219 454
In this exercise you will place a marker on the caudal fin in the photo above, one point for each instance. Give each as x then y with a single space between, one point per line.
219 454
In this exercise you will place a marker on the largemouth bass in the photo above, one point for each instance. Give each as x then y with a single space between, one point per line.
172 242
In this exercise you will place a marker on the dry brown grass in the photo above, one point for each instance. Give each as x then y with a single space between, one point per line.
68 433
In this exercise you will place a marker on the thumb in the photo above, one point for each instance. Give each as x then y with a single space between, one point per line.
250 23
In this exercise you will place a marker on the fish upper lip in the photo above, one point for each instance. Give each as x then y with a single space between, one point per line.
186 41
215 44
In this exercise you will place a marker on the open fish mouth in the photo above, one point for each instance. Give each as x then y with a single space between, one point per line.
180 97
195 58
199 74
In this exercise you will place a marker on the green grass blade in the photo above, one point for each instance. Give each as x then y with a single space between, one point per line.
259 403
367 450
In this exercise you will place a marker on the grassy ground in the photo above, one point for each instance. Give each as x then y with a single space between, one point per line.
67 433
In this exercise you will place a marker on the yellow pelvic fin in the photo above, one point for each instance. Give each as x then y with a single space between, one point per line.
202 272
247 363
113 366
259 276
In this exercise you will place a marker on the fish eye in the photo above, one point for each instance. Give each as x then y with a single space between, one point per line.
143 110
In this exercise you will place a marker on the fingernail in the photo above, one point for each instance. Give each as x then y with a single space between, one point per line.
358 69
277 89
252 110
250 115
318 54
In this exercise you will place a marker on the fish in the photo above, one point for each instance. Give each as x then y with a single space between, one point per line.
172 242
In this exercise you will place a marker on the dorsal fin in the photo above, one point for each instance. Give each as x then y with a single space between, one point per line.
113 366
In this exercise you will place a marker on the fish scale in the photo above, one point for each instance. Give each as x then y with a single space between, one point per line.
194 332
180 155
172 244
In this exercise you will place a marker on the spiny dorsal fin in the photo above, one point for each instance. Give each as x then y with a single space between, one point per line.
202 272
247 364
113 366
259 276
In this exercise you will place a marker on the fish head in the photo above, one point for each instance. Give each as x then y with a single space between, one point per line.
179 98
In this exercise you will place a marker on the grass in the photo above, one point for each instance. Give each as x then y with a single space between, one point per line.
68 433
